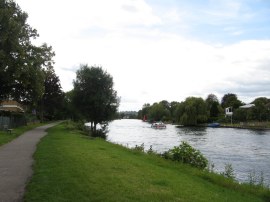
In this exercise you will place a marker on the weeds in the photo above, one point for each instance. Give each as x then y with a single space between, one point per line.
210 167
228 172
257 180
150 151
139 148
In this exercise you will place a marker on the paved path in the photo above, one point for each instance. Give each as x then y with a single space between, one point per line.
16 159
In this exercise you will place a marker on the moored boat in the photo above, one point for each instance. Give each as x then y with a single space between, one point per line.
213 125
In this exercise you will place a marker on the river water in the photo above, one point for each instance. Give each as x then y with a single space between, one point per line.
248 151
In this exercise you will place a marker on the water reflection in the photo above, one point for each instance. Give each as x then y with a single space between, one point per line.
197 131
246 150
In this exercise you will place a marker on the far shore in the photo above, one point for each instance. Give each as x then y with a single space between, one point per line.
252 126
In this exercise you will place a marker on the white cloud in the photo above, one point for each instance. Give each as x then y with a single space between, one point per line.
147 62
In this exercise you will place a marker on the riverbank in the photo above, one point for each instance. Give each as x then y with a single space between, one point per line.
252 126
73 167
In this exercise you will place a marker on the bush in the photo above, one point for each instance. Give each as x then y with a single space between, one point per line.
228 172
185 153
101 132
139 148
71 125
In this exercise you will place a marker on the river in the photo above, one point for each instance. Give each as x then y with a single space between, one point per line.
248 151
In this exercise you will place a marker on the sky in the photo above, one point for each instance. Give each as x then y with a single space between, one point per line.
160 49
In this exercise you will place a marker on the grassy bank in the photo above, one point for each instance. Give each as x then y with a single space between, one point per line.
6 137
72 167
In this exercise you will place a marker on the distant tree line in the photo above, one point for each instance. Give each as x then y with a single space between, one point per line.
126 115
195 110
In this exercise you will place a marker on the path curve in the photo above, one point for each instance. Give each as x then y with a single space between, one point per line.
16 160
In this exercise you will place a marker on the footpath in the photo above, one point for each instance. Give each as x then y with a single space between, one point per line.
16 160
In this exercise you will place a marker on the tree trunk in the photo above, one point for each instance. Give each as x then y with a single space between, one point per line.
95 126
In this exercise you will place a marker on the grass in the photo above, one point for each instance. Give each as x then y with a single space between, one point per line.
72 167
6 137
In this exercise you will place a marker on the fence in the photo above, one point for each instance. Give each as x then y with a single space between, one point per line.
12 121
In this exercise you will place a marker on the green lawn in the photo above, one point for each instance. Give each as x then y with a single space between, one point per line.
72 167
6 137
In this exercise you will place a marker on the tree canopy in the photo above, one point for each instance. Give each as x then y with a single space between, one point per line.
212 105
192 111
94 96
230 100
21 62
51 105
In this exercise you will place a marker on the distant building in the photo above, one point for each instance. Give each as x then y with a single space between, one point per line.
11 114
247 106
11 106
228 111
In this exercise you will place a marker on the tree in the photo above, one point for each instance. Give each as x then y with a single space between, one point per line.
94 96
230 100
192 112
144 112
159 112
21 62
173 108
260 111
52 103
212 105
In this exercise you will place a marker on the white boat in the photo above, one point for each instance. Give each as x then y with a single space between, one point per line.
158 125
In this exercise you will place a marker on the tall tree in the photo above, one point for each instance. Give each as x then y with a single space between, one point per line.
94 95
192 112
159 112
230 100
21 62
260 111
212 105
145 111
51 104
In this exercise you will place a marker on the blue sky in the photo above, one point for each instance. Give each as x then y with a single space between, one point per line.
160 49
218 21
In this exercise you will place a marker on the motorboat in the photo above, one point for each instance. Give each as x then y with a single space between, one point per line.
158 125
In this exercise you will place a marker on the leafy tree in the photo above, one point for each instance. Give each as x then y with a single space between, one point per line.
240 114
159 112
52 102
192 112
260 111
165 104
212 104
21 62
211 98
71 111
173 109
230 100
94 96
144 111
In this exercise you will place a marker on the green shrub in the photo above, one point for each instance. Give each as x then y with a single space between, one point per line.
185 153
